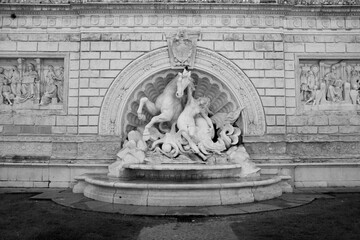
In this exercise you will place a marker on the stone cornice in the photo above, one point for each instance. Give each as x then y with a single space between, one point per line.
180 8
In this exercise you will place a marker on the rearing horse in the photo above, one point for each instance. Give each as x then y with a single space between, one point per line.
168 103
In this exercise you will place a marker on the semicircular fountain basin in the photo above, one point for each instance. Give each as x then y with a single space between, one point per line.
168 188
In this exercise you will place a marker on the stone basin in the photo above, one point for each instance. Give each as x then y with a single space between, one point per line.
205 192
179 172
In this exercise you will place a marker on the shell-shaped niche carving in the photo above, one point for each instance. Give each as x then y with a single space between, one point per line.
221 99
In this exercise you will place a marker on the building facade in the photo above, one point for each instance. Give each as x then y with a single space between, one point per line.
71 73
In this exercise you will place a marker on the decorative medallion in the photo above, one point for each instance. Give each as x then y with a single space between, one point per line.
255 21
138 19
240 20
36 21
182 48
311 22
225 20
66 21
354 23
297 22
167 20
124 20
269 21
153 20
22 22
326 22
197 19
182 19
51 21
94 19
109 20
211 20
340 22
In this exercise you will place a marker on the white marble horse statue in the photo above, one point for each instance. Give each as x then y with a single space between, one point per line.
167 106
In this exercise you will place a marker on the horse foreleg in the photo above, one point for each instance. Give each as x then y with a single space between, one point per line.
151 107
160 118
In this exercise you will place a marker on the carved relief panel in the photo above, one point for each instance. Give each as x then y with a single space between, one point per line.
32 83
329 84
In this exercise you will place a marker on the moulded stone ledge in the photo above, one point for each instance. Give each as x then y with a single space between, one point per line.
152 193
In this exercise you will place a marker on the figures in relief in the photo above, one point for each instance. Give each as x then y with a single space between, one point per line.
324 82
5 89
53 86
15 81
29 79
31 82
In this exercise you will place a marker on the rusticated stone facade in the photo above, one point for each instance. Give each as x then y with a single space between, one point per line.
67 72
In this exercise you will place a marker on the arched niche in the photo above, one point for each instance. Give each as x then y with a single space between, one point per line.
155 65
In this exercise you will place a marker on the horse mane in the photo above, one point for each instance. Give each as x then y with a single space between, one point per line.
172 82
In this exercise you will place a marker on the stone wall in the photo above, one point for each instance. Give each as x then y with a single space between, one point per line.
97 43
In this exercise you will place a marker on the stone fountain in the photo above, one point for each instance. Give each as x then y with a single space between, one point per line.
182 148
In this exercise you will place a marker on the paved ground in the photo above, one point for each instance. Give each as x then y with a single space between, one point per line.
331 215
66 198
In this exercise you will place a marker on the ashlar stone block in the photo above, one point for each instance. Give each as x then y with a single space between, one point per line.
264 64
66 120
88 130
26 46
276 130
273 37
268 101
99 64
100 83
274 110
353 47
140 46
328 129
95 101
297 120
120 46
318 120
335 47
48 46
119 64
315 47
69 46
100 46
18 37
224 46
274 73
244 46
307 130
264 46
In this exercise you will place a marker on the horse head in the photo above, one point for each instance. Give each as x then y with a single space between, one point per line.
184 80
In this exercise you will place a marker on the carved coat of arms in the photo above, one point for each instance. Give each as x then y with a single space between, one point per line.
182 48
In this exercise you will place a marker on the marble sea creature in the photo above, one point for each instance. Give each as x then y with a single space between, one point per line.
224 122
171 143
133 151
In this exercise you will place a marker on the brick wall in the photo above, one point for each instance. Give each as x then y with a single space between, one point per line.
261 57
